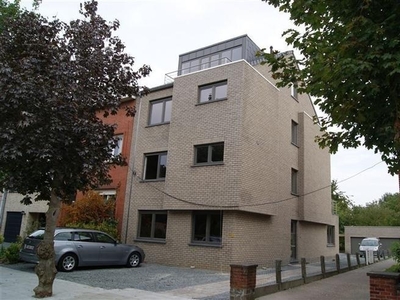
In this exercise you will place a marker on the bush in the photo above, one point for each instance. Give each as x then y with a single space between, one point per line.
11 254
395 249
108 226
1 239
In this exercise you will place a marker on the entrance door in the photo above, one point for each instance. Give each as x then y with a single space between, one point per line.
293 241
13 226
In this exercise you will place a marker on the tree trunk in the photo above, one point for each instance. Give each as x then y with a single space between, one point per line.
46 269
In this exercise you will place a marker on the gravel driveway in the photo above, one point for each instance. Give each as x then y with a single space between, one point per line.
149 277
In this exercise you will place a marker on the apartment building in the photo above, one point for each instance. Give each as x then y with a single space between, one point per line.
225 169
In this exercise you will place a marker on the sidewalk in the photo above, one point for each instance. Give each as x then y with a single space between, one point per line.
352 285
19 285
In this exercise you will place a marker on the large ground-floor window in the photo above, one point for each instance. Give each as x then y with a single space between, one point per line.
152 225
207 227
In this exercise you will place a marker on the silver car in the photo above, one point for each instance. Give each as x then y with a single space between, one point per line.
83 247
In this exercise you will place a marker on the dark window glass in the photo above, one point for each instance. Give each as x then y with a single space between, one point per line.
202 154
145 225
294 132
207 227
217 152
160 229
208 154
151 166
153 225
63 236
294 181
155 166
104 238
200 227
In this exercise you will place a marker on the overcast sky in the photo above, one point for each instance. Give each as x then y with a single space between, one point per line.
155 32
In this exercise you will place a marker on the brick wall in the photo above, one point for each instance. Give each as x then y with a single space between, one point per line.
384 286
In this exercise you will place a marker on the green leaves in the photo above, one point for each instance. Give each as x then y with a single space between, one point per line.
350 64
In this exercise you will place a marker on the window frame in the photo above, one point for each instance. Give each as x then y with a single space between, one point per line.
209 154
293 92
294 133
164 103
213 87
153 214
158 177
294 180
208 241
330 235
117 150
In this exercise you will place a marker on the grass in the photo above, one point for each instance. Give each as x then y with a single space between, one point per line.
394 268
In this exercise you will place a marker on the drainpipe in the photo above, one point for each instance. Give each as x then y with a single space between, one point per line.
2 206
132 164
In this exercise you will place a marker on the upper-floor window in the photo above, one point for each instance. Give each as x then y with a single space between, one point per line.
209 154
160 111
293 91
117 149
213 92
155 166
294 132
212 60
294 181
330 235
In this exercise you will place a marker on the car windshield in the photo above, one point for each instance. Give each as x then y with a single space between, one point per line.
369 243
39 234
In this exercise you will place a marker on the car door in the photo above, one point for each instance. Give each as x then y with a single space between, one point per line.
109 252
88 250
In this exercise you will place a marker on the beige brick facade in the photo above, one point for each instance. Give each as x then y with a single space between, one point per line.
251 189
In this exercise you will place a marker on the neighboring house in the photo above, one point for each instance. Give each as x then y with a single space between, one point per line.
355 234
19 220
226 169
115 191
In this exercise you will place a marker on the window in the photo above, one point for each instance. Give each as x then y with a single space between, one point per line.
108 195
116 145
104 238
294 132
152 225
160 111
293 91
294 181
213 92
63 236
212 60
155 166
209 154
207 227
83 236
330 234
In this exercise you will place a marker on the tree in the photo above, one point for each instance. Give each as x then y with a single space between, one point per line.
54 77
343 204
351 64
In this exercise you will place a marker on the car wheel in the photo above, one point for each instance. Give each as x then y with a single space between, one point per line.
68 262
133 260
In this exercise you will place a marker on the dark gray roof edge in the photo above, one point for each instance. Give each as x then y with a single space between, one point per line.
221 42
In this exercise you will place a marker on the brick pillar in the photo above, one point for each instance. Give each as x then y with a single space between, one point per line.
243 282
384 285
